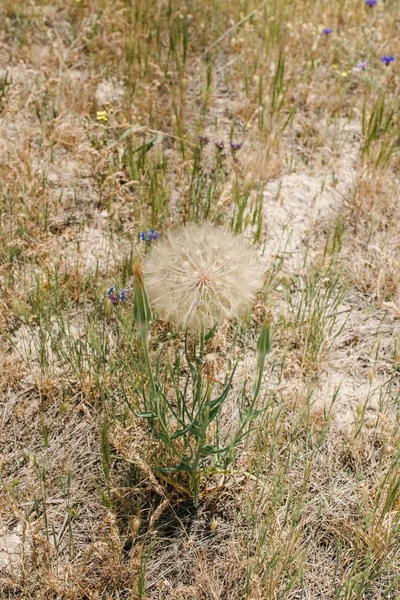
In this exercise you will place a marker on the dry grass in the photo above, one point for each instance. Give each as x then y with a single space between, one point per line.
101 108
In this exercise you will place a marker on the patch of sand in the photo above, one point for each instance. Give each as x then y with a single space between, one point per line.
11 549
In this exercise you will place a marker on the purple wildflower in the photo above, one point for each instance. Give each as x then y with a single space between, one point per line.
203 141
371 3
387 59
219 146
112 296
362 65
236 147
149 236
327 30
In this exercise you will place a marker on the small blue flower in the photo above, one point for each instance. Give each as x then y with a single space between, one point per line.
327 30
203 141
149 236
112 296
371 3
219 146
387 59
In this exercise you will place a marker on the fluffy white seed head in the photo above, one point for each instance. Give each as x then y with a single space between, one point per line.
199 275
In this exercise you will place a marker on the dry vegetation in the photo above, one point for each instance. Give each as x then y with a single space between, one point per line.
101 108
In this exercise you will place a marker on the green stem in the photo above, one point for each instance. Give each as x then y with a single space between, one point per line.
153 391
143 336
256 392
202 437
200 446
199 382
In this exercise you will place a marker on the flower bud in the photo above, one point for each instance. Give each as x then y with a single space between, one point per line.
141 306
264 342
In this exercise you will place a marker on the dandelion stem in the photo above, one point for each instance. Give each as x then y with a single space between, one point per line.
204 422
200 446
199 379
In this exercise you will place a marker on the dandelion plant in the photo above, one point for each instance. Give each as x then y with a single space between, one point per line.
196 278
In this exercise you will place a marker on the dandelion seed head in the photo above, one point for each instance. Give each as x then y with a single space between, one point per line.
201 275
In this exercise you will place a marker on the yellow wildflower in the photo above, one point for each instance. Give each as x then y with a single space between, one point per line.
102 116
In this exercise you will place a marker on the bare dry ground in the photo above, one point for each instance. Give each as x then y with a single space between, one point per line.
112 121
